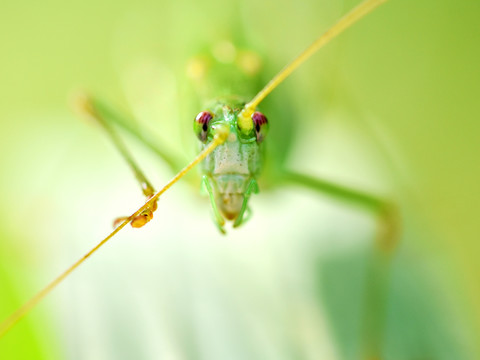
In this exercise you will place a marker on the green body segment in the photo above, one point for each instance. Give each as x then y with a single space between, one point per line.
225 69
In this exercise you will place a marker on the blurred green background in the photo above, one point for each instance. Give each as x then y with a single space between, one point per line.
391 106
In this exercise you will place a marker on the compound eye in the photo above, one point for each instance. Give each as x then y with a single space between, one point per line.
200 124
260 123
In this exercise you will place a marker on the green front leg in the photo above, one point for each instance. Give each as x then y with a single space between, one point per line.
251 188
379 261
109 116
219 220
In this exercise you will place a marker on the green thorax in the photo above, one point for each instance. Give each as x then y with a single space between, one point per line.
224 69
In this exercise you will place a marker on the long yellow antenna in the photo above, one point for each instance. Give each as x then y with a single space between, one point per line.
344 23
219 138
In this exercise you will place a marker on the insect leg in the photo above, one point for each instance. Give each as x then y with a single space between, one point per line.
108 116
219 221
103 116
251 188
384 209
378 271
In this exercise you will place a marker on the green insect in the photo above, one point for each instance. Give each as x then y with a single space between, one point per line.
233 136
225 82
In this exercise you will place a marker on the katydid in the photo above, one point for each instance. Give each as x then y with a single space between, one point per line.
232 132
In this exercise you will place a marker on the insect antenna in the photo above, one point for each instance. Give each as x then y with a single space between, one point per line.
344 23
221 134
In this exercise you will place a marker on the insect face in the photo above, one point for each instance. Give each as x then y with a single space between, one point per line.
231 170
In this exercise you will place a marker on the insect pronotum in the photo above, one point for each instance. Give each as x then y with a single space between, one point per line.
231 131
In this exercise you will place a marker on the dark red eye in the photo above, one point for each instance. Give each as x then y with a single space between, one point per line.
200 125
260 123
